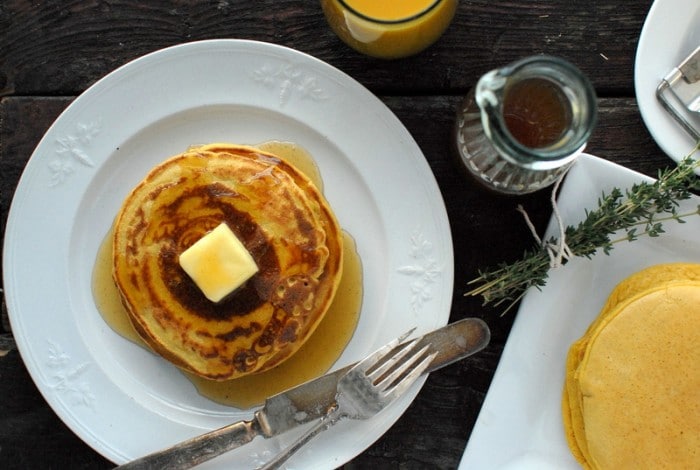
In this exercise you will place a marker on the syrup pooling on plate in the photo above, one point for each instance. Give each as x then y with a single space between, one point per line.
285 224
315 357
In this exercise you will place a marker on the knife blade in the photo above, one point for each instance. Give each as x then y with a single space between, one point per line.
306 402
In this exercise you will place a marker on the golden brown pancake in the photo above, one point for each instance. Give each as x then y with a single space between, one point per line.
283 221
637 363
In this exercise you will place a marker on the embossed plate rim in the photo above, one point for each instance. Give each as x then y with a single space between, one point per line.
300 96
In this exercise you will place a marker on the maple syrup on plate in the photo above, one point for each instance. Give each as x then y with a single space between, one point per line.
313 359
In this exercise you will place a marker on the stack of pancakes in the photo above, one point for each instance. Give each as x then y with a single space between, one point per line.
281 218
632 391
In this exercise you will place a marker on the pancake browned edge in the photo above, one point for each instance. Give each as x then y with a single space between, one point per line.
283 221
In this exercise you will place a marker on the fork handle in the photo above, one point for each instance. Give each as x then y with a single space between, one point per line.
325 422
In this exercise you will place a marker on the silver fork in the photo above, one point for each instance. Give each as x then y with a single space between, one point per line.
367 388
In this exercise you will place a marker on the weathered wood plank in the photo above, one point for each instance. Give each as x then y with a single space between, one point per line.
61 47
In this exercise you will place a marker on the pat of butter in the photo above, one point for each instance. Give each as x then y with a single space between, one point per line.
218 263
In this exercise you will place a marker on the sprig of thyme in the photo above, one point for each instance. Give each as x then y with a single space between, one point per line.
635 213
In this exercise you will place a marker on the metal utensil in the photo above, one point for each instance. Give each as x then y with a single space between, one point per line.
306 402
366 389
683 83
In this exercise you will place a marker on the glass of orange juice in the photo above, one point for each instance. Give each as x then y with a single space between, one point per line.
389 29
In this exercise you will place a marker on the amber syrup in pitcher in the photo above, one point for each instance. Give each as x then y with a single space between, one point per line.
536 112
523 125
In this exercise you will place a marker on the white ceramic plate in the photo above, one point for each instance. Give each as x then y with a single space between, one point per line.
671 32
520 425
124 401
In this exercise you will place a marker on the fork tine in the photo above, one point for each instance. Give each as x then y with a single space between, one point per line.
358 397
391 375
377 356
390 359
411 377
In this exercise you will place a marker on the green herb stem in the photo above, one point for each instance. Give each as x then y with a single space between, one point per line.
635 212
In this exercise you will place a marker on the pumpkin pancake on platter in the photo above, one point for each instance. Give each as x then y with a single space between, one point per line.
632 389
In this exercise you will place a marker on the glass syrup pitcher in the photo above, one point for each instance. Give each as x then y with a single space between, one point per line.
523 125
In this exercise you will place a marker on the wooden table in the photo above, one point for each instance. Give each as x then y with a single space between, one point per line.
53 51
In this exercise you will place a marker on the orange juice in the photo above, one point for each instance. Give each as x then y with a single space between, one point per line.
389 29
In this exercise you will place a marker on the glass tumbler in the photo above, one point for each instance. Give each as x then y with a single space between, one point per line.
389 29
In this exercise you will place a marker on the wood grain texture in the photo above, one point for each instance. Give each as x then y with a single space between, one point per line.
52 51
61 47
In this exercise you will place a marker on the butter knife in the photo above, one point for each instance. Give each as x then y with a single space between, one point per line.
306 402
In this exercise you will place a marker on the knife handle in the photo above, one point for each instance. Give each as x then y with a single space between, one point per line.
199 449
